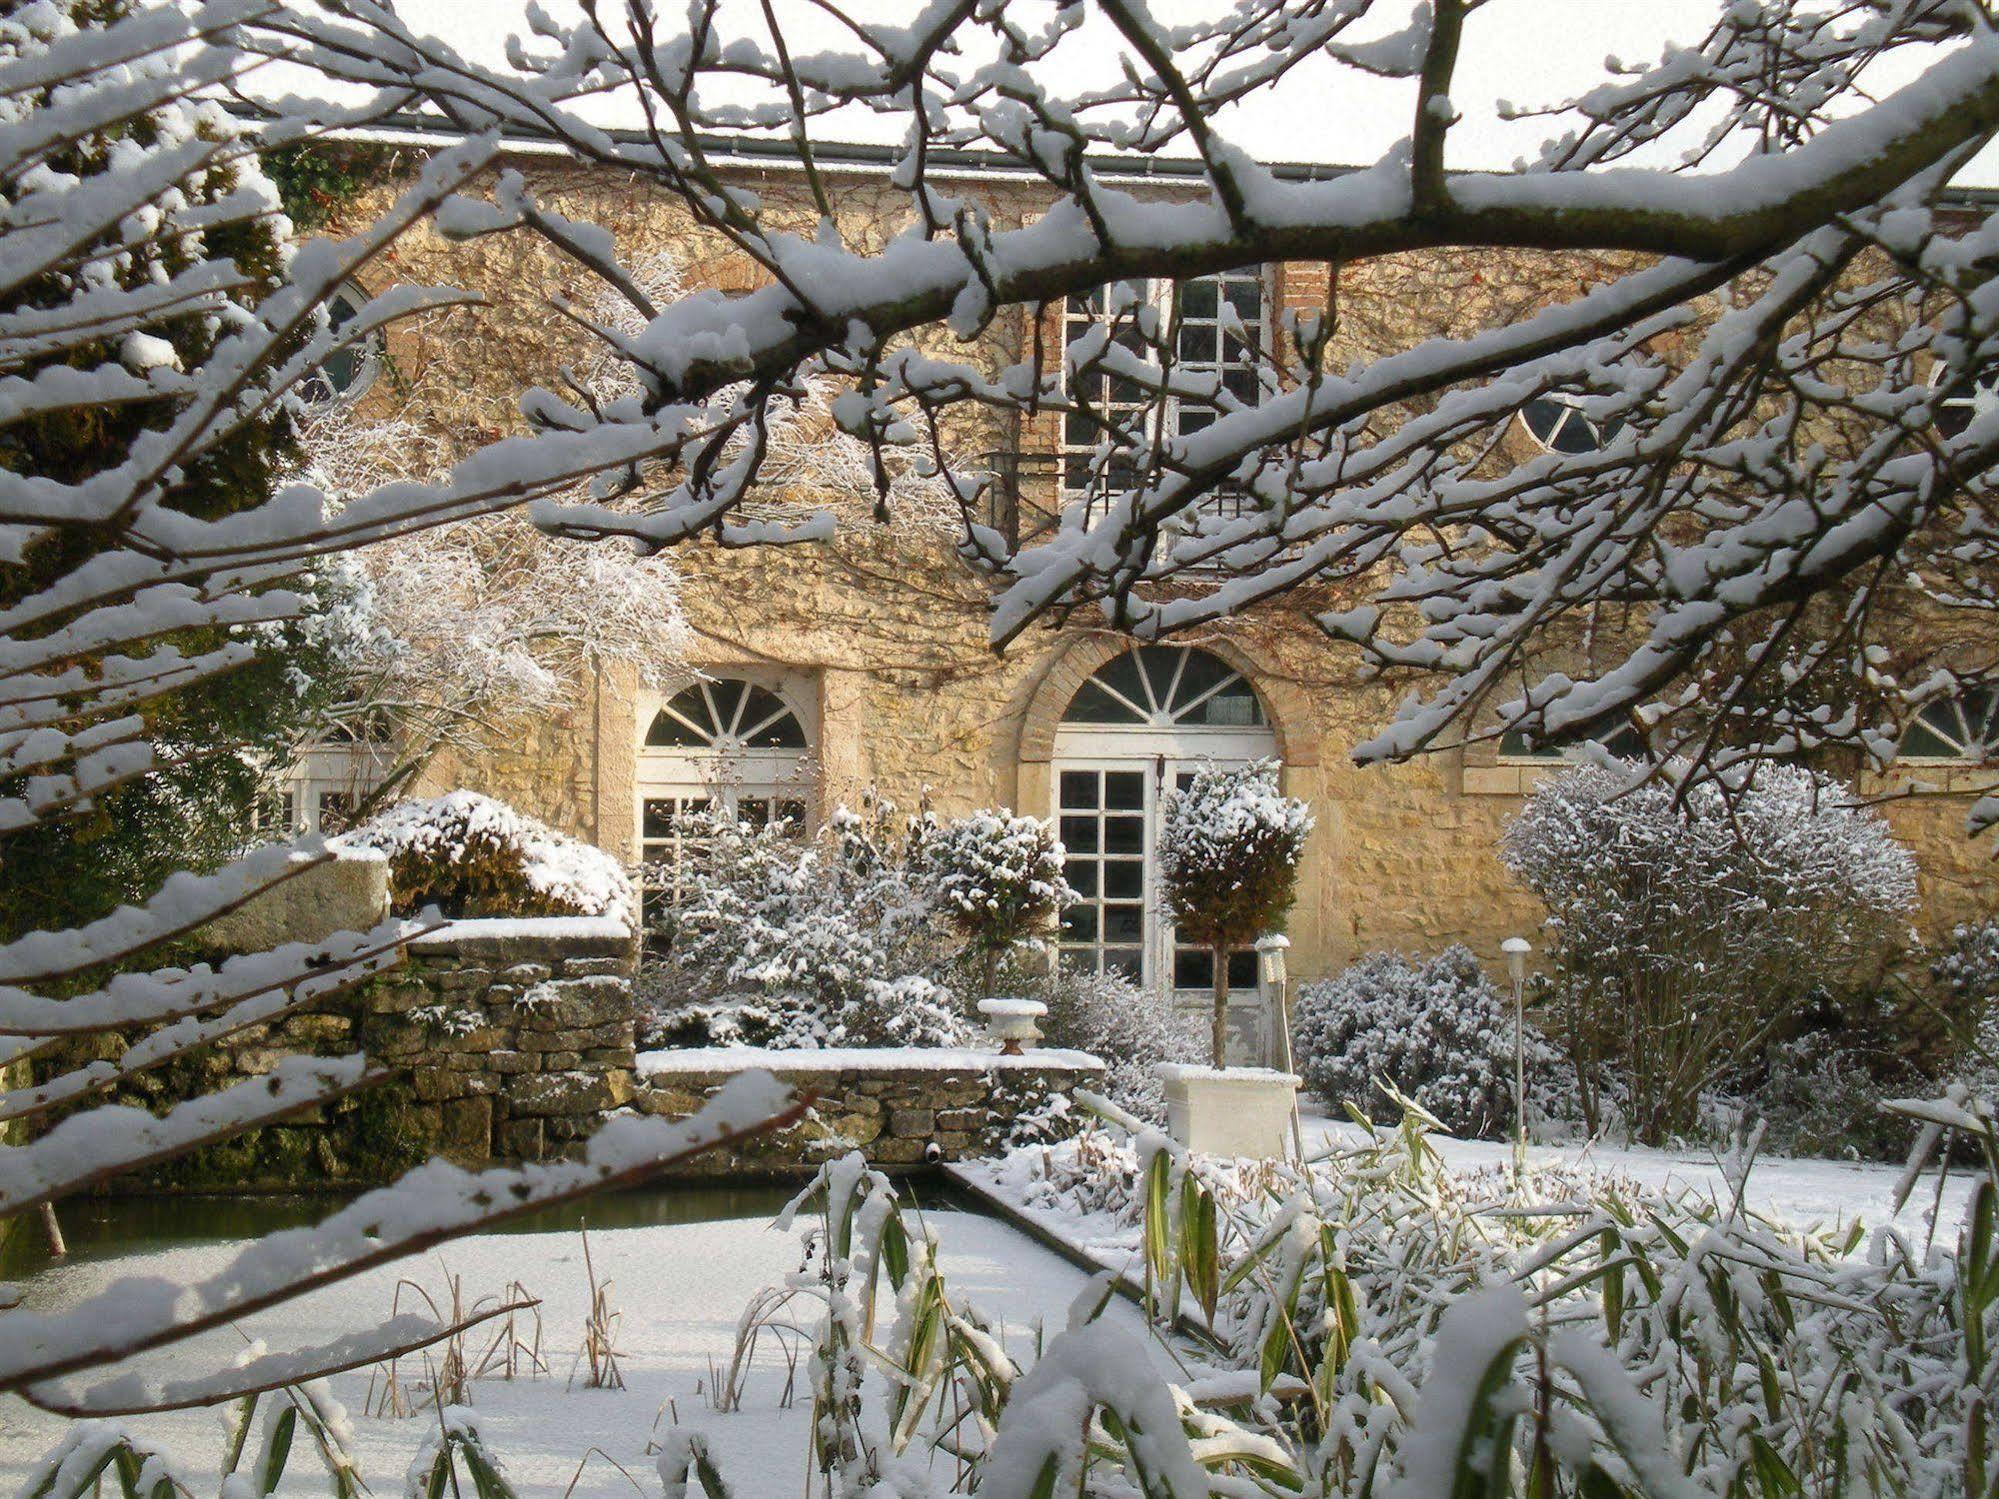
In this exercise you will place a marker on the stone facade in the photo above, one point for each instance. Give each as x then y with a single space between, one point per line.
515 1038
896 1112
880 635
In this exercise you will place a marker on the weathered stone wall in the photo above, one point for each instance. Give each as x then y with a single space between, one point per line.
897 1112
503 1040
515 1037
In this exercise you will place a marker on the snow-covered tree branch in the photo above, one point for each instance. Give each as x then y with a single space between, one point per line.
1781 474
154 325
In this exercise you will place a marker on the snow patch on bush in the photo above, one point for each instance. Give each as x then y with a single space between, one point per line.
474 856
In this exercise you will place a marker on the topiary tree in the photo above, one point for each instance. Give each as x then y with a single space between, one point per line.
999 879
1228 855
1690 922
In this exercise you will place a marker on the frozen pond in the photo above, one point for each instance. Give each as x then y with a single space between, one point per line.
681 1264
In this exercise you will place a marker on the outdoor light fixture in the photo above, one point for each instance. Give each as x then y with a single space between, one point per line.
1516 950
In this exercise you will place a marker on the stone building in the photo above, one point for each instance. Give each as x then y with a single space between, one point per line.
864 663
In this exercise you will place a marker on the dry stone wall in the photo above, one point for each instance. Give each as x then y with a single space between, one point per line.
514 1037
906 1109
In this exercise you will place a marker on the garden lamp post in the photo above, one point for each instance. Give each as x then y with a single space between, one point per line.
1516 950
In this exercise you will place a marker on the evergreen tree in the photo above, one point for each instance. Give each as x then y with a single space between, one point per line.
196 804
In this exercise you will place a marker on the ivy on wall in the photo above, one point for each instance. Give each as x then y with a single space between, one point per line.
316 180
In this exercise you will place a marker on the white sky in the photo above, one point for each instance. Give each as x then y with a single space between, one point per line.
1530 52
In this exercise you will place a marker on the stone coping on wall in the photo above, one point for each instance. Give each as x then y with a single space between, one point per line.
485 933
862 1059
898 1107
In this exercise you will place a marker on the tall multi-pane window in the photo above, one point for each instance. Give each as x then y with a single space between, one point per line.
1135 732
1210 327
728 747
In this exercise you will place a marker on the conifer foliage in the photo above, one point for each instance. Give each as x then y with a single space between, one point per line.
152 332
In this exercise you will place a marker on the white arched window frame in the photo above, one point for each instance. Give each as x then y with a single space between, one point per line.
1559 424
346 373
1135 731
1961 730
737 747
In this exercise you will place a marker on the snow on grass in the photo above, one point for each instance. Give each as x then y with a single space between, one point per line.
1803 1192
679 1290
1800 1190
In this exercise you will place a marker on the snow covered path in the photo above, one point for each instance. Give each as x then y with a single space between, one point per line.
680 1290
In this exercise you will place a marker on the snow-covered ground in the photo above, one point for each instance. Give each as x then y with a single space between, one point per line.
679 1290
1802 1192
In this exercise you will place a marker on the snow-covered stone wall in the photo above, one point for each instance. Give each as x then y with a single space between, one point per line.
503 1040
898 1107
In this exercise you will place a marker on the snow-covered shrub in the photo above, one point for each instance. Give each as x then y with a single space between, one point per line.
1435 1029
1689 923
1131 1028
999 879
831 941
1229 847
473 856
1964 982
1820 1095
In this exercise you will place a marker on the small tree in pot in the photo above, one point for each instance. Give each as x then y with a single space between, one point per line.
1228 855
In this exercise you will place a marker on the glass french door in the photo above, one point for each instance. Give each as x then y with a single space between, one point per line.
1108 817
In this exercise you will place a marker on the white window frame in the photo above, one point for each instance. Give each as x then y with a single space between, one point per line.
1574 413
367 354
722 778
348 770
1157 295
1960 760
1161 750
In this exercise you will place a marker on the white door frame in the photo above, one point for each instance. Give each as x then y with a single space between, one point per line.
1160 753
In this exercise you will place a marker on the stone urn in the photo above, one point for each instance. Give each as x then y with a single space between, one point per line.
1232 1111
1011 1022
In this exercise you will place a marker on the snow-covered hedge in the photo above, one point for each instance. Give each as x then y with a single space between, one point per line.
1690 922
473 856
832 941
1435 1030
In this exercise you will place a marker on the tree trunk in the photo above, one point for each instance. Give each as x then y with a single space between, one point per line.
1220 1036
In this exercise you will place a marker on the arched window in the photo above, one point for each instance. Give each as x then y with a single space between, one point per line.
1556 421
1965 727
350 369
1167 686
1135 730
726 747
726 716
